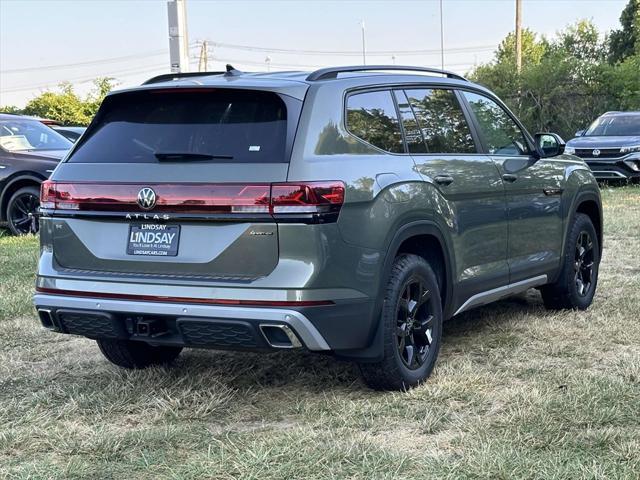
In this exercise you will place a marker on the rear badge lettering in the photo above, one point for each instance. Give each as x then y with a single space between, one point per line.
144 216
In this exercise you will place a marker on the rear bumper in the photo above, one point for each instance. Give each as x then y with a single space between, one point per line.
205 326
339 327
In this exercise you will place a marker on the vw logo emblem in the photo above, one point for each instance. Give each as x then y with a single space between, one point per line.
596 153
147 198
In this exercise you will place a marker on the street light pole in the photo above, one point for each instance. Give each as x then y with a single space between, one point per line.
364 47
441 37
519 35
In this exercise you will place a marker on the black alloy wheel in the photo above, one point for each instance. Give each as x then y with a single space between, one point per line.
414 323
584 262
22 211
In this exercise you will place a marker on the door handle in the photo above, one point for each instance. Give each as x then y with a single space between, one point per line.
443 179
509 177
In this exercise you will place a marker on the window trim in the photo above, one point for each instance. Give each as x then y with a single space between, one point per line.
345 110
474 136
480 147
514 119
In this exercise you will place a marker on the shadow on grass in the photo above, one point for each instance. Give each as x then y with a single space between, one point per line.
316 373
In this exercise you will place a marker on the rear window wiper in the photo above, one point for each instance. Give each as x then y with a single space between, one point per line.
189 157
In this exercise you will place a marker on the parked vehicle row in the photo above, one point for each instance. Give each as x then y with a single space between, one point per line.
610 146
349 211
29 151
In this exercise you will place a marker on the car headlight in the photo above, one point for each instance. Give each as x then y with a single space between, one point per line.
633 148
570 150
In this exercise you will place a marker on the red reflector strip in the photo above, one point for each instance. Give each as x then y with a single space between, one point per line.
208 301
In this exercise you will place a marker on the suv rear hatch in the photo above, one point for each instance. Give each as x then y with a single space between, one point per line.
178 182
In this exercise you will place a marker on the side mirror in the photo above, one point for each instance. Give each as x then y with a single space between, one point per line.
549 144
579 133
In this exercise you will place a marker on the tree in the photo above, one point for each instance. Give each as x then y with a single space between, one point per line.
565 81
533 49
11 109
626 42
66 106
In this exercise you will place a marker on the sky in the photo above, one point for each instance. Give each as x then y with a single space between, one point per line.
45 42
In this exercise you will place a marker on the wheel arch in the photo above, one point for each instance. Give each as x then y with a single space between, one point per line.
424 238
589 203
13 185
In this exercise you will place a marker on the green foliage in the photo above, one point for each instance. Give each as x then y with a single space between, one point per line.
11 109
66 106
625 42
565 82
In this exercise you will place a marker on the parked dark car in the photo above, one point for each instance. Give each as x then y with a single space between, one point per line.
70 133
29 151
610 146
343 211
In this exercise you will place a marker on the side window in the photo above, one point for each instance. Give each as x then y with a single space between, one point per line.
501 133
440 120
412 132
372 117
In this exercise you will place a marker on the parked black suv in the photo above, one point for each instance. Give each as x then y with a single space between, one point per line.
348 211
610 146
29 151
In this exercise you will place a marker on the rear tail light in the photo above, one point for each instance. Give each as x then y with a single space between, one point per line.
316 197
280 200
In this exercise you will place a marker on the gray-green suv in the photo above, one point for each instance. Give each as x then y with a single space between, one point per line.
350 210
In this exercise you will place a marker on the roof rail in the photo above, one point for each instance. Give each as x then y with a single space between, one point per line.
165 77
332 72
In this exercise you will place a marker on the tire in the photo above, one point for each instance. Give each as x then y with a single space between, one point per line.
136 355
23 202
579 267
421 330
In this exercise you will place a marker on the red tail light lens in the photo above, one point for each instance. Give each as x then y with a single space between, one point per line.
278 198
314 197
47 194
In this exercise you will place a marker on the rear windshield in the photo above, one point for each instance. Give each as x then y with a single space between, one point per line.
235 126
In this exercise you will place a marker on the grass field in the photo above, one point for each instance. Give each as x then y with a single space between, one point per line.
518 393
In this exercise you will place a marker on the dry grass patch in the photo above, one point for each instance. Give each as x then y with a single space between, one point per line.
519 392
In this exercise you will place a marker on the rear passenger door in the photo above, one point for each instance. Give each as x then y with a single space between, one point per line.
472 198
533 189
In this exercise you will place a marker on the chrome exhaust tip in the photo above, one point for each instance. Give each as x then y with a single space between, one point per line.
46 318
279 336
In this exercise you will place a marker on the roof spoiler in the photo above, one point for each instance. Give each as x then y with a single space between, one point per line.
166 77
332 72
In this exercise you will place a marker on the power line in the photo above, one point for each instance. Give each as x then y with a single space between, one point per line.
357 53
135 56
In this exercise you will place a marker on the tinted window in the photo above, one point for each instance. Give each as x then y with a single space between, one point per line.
441 121
372 117
30 135
618 125
231 125
501 133
412 133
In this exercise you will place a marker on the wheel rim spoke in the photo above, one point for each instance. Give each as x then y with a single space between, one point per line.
584 263
415 321
23 212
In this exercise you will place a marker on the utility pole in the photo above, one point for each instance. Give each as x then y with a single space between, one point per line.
204 57
519 35
178 37
364 47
